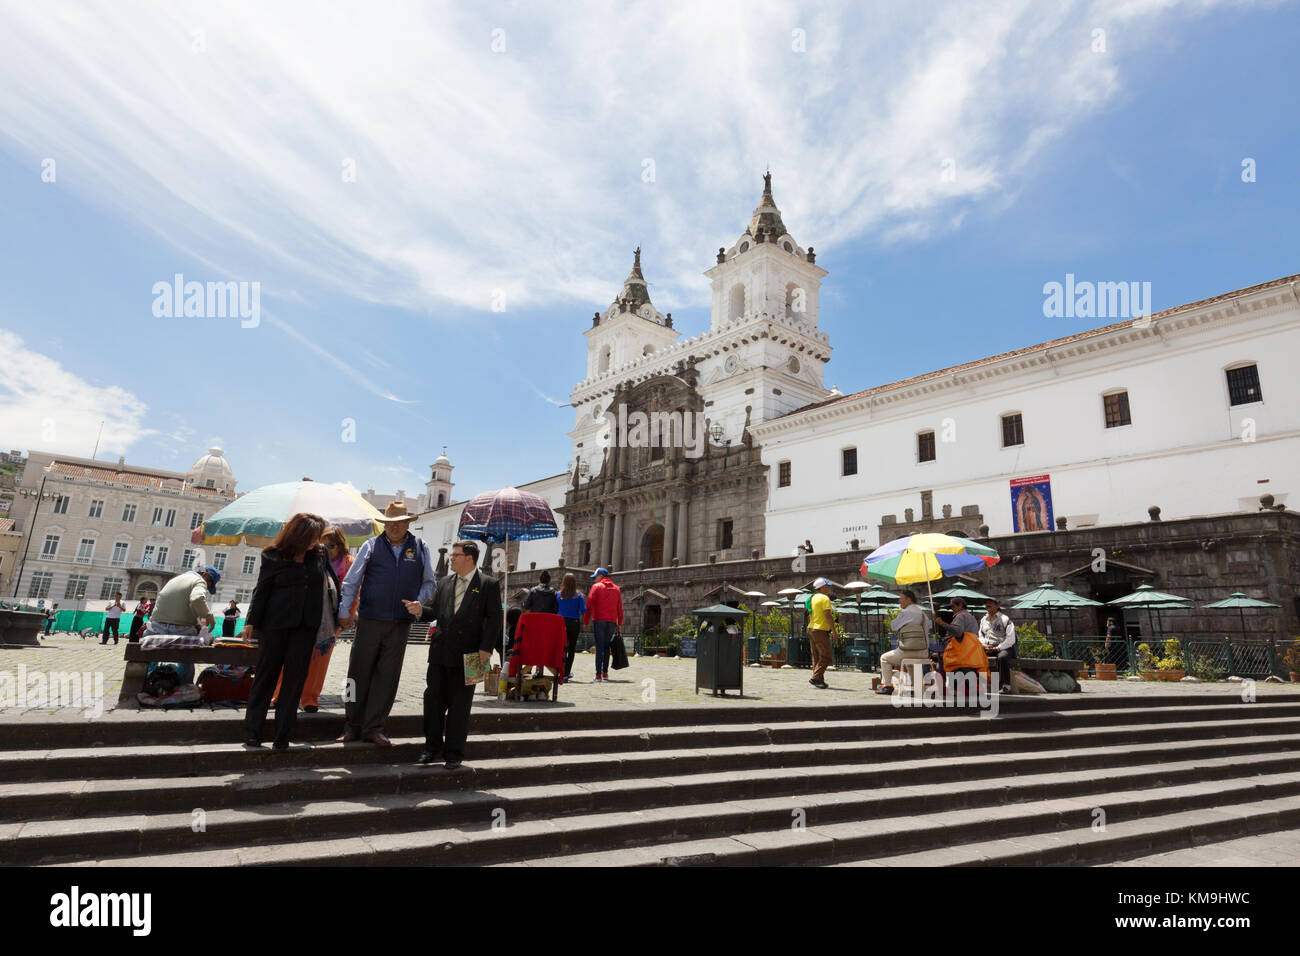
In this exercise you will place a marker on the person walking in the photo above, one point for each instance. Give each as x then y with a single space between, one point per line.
50 615
336 545
541 599
605 608
390 570
229 618
113 618
572 606
467 607
295 601
821 625
912 625
998 635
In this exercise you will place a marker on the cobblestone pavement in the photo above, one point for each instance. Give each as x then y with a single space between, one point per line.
650 681
1266 849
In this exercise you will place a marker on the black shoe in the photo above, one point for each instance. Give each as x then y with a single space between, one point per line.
253 742
426 758
310 709
453 765
279 746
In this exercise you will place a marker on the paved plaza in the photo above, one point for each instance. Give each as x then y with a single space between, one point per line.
649 681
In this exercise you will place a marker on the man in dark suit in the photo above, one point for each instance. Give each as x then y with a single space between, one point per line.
467 607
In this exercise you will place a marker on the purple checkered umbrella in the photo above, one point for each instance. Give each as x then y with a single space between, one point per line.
501 516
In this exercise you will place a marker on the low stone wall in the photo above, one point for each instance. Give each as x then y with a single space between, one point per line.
1204 559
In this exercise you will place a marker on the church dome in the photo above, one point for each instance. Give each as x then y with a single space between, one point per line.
212 467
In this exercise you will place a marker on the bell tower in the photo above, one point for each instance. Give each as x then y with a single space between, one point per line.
438 487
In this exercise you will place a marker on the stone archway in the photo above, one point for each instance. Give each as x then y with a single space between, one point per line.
146 589
652 546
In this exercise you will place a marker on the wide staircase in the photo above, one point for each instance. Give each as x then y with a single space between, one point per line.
1061 780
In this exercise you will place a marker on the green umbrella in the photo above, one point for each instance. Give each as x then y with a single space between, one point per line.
1240 602
1148 597
963 590
1048 596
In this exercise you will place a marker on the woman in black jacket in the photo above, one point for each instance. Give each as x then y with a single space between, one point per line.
297 595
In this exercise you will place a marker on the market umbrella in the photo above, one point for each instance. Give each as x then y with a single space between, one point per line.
499 516
1148 597
1048 596
926 557
864 592
256 518
1240 602
789 594
963 590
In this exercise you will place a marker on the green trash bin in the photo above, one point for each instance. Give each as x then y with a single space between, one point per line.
720 649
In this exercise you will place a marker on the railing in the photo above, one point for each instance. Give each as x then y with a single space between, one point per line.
1206 658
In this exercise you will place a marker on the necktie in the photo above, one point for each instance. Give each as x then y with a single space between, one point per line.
462 586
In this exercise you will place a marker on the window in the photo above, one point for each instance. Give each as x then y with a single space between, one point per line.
196 519
848 461
1115 407
736 303
109 588
585 553
219 561
157 517
96 509
724 534
146 558
1243 385
128 514
51 549
170 520
76 587
162 556
60 505
85 550
604 360
1013 430
783 474
209 484
187 559
925 446
39 586
119 553
250 563
243 595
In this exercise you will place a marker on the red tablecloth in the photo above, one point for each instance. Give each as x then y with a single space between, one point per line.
539 642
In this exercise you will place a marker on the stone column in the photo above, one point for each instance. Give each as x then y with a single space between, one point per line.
670 531
618 541
683 523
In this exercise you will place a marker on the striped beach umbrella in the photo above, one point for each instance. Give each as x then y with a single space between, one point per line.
257 517
926 557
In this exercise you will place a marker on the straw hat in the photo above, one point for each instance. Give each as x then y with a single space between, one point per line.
396 511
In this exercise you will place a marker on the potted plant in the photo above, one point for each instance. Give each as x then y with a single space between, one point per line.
1102 668
1168 666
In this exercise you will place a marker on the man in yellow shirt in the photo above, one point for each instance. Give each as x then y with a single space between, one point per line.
821 624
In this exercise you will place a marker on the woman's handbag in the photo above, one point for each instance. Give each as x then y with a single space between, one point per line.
617 652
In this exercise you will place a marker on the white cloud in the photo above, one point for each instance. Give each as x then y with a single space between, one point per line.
520 171
44 406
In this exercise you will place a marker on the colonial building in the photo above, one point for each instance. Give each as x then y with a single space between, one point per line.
691 485
92 528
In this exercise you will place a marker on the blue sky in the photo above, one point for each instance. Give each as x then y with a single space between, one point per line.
209 140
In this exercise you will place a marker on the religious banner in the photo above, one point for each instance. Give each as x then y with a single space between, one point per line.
1031 504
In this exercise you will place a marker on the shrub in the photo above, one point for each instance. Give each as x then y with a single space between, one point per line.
1207 669
1171 658
1030 642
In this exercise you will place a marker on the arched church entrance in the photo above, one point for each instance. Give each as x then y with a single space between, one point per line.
652 546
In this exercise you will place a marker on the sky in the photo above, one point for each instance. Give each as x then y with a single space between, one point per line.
431 201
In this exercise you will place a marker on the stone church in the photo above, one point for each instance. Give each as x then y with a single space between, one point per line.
696 490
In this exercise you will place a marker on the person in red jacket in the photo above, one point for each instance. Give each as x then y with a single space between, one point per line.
605 607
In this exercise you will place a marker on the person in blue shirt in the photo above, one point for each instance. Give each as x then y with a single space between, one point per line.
572 607
389 570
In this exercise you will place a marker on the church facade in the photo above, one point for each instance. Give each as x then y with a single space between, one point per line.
666 469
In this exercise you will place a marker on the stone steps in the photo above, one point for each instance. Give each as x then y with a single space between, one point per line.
872 789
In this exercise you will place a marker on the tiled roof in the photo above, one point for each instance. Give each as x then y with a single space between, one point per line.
1053 343
6 524
133 479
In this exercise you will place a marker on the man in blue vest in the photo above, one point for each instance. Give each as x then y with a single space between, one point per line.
390 569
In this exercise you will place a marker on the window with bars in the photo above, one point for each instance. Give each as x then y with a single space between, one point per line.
75 589
1243 385
110 587
848 461
39 585
1115 407
783 474
250 563
925 446
1013 430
